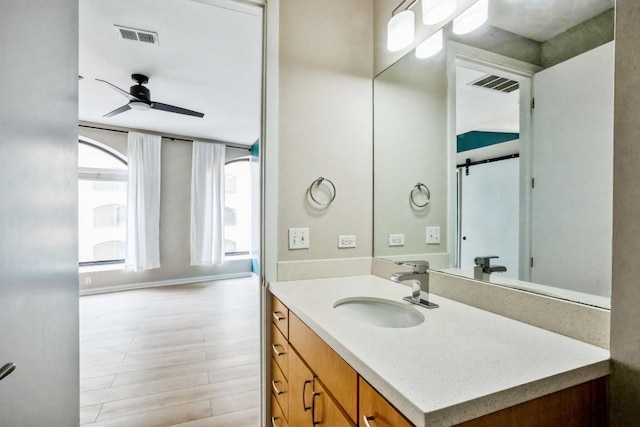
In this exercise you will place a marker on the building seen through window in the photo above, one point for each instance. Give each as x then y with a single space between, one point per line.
237 211
102 204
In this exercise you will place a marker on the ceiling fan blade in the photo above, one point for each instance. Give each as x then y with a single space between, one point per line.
119 110
120 91
174 109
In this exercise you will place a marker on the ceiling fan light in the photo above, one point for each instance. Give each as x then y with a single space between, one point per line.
139 105
430 46
436 11
472 18
400 31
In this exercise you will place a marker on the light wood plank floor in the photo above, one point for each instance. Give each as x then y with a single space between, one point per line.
183 355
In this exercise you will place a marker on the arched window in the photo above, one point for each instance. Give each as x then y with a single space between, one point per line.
237 212
102 203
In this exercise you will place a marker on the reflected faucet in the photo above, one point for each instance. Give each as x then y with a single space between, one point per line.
483 268
420 282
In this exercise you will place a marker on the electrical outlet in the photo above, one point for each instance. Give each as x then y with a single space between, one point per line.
87 280
347 241
396 239
433 236
298 238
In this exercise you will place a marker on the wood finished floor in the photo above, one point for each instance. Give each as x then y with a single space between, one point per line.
183 356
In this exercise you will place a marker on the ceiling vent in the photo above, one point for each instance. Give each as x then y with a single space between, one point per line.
496 83
144 36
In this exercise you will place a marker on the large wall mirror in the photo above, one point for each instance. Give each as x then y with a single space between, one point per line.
501 145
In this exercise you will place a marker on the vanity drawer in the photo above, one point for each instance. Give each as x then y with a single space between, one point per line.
324 411
338 377
280 350
280 388
376 408
280 316
277 416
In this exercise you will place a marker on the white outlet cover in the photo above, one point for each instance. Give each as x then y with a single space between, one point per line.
346 241
433 236
396 239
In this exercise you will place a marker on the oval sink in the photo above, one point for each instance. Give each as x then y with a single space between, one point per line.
379 312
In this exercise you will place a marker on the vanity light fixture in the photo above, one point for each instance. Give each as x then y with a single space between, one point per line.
471 18
430 46
436 11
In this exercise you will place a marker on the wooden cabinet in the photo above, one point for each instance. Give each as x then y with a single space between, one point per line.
301 391
324 411
339 378
277 416
377 409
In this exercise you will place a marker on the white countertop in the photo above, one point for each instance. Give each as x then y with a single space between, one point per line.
461 363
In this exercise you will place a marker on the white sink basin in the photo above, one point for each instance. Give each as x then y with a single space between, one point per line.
379 312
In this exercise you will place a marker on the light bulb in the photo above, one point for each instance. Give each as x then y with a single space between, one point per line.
471 18
430 46
400 30
436 11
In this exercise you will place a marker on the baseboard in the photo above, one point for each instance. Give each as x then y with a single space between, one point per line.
132 286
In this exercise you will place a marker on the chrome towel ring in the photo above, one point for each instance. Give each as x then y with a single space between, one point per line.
417 189
315 184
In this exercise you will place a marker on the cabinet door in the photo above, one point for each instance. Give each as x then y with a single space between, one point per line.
324 411
377 410
300 391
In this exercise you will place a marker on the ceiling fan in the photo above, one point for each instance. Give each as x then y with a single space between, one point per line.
140 99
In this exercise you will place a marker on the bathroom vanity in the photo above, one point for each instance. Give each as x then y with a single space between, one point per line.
460 365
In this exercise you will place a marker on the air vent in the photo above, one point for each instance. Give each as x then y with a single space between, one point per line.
497 83
137 35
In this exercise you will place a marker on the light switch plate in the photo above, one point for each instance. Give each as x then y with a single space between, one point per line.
346 241
298 238
433 236
396 239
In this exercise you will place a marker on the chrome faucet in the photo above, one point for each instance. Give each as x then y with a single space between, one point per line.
420 282
483 267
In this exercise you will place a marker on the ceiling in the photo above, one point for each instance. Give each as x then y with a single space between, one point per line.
208 59
541 20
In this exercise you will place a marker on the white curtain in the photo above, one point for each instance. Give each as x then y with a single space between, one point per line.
143 202
207 203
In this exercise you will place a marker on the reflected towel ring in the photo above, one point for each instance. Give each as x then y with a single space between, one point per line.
317 183
421 188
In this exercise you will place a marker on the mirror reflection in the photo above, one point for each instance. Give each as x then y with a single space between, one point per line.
510 131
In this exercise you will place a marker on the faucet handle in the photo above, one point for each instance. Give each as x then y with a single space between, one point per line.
484 261
419 266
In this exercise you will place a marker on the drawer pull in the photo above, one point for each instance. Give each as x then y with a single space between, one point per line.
276 351
366 421
273 421
313 409
304 393
275 388
278 316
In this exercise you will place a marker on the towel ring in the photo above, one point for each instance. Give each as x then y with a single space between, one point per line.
316 184
420 188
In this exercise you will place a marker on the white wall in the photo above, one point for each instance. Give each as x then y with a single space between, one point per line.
175 221
325 125
38 212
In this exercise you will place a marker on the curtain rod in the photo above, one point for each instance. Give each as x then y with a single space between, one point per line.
171 137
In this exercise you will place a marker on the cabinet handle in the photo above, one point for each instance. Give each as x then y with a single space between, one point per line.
304 388
367 419
313 409
276 351
273 421
275 388
278 316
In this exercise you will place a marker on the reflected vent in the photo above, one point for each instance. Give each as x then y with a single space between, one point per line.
137 35
497 83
